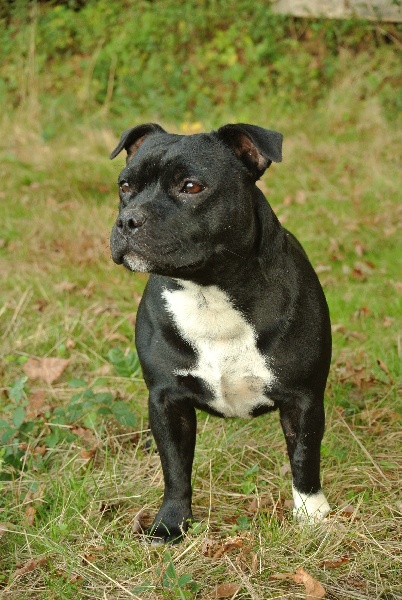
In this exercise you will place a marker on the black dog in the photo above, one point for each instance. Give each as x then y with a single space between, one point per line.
233 319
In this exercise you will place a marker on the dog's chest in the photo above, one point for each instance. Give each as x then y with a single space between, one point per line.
228 360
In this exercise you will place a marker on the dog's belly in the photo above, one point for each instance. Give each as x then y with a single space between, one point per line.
228 360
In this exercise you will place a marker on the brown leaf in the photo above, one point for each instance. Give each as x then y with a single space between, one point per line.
31 565
208 547
139 521
90 555
46 369
40 450
258 504
314 589
36 404
349 509
30 515
88 558
384 368
334 564
85 434
88 454
231 544
226 590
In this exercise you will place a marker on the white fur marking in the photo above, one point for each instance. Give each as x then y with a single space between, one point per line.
312 507
135 263
228 359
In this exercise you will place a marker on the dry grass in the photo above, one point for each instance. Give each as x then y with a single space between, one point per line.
68 521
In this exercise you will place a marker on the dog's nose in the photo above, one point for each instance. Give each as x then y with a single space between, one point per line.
130 220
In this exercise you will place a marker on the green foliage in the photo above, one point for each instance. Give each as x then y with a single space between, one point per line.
87 408
181 62
126 365
175 586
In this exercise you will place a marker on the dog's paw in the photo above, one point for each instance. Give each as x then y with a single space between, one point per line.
169 526
310 508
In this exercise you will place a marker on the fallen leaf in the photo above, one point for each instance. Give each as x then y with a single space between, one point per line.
46 369
88 558
356 581
40 304
349 511
29 566
88 454
334 564
36 404
85 434
231 544
226 590
208 546
138 522
314 589
30 515
40 450
258 504
384 368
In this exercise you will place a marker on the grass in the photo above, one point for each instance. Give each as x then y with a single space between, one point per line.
69 516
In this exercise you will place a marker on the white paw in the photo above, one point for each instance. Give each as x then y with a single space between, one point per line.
310 507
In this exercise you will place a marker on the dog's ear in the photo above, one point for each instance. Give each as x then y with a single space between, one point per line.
131 139
255 146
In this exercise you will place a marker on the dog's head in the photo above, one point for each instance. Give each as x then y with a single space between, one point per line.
186 199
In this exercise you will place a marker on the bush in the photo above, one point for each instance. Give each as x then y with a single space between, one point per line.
179 62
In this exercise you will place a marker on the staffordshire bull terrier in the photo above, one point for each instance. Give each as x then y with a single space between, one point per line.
233 319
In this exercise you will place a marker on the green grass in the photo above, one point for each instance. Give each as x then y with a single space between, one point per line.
70 501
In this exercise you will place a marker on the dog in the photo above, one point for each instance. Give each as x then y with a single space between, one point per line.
233 319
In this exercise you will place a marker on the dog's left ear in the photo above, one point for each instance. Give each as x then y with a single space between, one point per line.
131 139
256 147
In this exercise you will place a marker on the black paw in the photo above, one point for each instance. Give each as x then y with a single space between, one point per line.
169 526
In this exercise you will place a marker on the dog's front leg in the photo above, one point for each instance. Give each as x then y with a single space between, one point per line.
173 425
303 423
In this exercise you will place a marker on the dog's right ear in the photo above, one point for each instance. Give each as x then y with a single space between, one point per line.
131 139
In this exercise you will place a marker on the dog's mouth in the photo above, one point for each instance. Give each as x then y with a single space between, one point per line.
138 263
147 255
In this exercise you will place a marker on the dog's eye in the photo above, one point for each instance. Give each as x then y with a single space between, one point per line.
124 186
192 187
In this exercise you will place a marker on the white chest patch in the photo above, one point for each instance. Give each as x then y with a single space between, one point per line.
228 360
